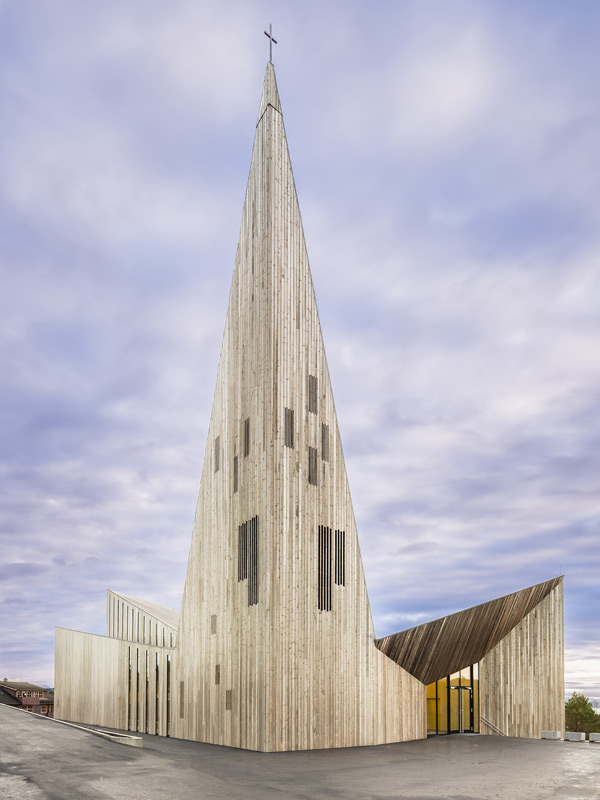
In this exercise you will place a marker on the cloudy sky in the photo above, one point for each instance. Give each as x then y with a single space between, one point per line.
447 160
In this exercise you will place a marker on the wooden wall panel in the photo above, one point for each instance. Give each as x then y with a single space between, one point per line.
89 679
136 620
522 687
92 682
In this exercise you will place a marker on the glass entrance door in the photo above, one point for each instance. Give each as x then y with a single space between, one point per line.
453 703
461 709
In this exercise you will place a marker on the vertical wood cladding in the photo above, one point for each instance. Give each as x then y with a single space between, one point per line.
140 621
111 682
521 679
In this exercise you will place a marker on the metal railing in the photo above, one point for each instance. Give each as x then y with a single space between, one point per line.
493 727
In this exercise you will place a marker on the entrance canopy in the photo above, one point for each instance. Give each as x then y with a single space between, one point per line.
439 648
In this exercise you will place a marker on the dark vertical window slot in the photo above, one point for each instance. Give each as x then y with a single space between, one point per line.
157 678
340 558
324 569
181 699
217 453
129 728
217 674
228 700
147 703
253 562
247 437
289 427
243 551
235 474
168 695
137 694
313 390
312 465
325 442
213 623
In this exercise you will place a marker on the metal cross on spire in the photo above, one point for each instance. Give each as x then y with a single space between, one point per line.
271 42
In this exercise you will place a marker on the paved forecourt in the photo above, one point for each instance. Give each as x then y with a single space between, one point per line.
43 760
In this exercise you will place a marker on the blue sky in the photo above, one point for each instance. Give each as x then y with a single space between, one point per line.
447 161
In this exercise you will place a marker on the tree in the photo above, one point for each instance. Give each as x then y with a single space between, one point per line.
580 716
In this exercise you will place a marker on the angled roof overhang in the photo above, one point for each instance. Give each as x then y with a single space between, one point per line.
438 648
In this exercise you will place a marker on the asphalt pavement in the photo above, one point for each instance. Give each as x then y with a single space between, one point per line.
43 760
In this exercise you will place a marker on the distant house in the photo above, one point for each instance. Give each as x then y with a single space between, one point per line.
28 697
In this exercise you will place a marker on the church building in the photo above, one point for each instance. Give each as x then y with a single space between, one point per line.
274 647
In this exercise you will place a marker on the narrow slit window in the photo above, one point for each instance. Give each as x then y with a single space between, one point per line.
235 474
247 437
312 465
181 699
325 442
213 623
253 562
147 703
217 674
168 714
289 427
313 389
340 558
243 551
228 700
137 693
157 696
217 453
248 557
129 728
324 569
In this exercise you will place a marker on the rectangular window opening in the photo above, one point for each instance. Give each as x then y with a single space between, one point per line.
289 428
340 558
228 700
168 695
217 453
325 442
181 699
235 474
157 696
247 437
147 703
253 562
313 394
213 623
243 551
217 674
312 466
324 569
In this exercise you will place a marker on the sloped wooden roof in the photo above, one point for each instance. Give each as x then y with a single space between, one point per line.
436 649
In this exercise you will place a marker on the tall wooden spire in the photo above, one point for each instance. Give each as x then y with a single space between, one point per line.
276 644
